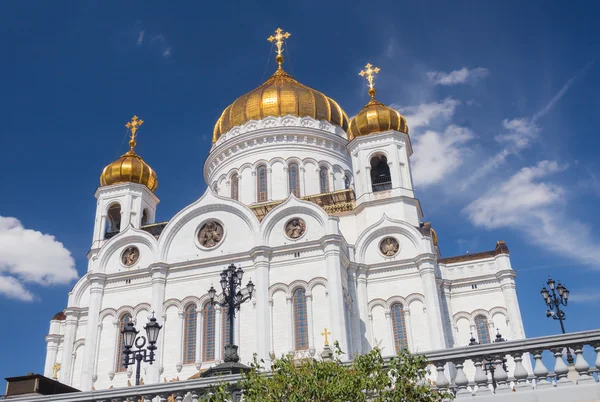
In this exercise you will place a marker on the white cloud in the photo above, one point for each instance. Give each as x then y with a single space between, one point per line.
462 76
584 296
537 209
424 114
28 256
140 39
439 154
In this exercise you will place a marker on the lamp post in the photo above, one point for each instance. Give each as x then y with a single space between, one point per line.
555 297
140 355
233 298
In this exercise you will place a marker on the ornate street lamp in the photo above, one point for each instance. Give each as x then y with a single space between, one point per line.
555 297
140 355
233 298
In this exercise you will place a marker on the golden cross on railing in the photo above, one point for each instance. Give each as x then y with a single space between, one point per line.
133 126
368 73
278 39
55 369
325 333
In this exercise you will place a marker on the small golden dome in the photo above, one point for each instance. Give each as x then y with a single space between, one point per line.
375 117
280 95
130 167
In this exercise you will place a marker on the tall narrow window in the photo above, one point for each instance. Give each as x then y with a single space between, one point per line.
113 221
235 187
323 179
125 318
145 217
399 326
261 184
346 181
381 178
483 329
294 179
208 333
225 332
189 335
300 320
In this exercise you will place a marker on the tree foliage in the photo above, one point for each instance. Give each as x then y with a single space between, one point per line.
368 378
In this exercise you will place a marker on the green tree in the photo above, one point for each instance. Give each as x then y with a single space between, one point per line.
368 378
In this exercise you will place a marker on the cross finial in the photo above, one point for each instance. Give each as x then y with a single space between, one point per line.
326 334
133 126
368 73
278 38
56 369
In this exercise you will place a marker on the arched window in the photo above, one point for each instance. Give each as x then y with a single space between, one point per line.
208 333
113 221
145 217
120 366
261 184
215 187
483 329
380 174
347 181
294 179
235 187
399 326
323 179
300 320
189 335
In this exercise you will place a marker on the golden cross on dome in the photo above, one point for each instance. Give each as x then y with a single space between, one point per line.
368 73
325 333
56 369
278 39
133 126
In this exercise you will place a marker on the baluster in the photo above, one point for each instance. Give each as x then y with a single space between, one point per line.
179 397
163 397
540 371
481 378
501 376
560 368
461 379
582 367
147 398
597 349
441 381
194 396
520 374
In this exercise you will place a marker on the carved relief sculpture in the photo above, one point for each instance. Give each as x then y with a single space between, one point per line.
389 246
295 228
130 256
210 234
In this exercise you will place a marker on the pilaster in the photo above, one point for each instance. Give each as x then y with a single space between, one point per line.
96 285
159 283
432 301
72 314
260 259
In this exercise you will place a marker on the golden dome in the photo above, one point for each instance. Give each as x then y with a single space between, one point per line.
280 95
130 167
375 117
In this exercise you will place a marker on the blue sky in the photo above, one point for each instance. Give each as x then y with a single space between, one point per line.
500 97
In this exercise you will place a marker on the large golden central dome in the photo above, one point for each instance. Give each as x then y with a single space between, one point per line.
280 95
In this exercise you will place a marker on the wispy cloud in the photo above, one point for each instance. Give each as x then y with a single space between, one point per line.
140 39
583 296
462 76
28 256
528 202
424 114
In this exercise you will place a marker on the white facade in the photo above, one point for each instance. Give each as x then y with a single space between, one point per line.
351 286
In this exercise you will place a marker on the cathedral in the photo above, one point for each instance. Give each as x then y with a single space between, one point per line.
320 212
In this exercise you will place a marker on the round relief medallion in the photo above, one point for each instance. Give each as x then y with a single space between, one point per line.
210 234
295 228
130 256
389 246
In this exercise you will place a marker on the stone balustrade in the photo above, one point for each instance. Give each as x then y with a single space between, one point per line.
563 383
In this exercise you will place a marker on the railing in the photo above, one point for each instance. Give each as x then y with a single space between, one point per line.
460 370
381 183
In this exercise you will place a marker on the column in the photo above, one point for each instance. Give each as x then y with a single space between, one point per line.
287 181
96 283
394 174
52 341
367 176
331 181
159 283
269 184
309 318
292 346
363 311
69 338
199 333
337 318
432 302
113 351
254 187
409 333
447 314
355 312
218 334
302 181
390 332
179 339
260 260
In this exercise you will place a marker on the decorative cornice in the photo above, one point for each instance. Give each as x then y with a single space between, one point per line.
501 248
